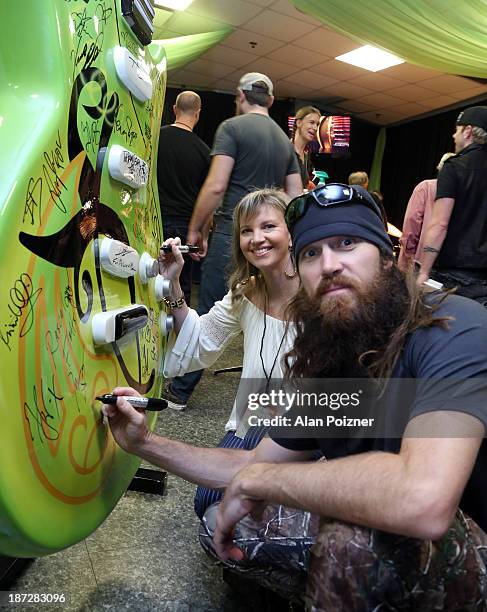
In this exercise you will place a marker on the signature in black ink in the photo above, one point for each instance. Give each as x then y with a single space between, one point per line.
129 43
43 422
89 54
81 21
33 200
91 131
23 297
103 13
124 128
54 162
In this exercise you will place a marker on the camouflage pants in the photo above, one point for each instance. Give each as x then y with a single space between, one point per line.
355 569
361 570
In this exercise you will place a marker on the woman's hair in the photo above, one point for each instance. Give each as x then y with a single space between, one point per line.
243 271
301 114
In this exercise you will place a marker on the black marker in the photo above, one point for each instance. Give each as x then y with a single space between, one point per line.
184 248
147 403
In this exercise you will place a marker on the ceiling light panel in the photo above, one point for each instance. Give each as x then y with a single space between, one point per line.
370 58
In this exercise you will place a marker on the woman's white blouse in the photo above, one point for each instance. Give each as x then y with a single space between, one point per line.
201 340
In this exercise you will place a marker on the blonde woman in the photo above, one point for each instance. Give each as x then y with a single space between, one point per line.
262 284
306 123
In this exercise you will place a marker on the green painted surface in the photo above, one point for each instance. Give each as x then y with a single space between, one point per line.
61 103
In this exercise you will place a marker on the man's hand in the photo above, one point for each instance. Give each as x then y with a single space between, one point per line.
200 239
235 505
128 425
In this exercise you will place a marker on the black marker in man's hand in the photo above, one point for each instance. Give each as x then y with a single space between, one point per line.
147 403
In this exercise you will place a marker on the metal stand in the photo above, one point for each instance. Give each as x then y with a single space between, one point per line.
10 569
149 481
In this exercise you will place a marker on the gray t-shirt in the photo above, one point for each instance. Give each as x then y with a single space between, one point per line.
263 156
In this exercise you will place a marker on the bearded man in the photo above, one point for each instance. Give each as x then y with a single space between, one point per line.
402 514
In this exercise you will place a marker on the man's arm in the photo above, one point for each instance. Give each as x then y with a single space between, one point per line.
293 185
209 467
435 235
414 493
209 198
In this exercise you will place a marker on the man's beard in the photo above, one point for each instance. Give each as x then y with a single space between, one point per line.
339 336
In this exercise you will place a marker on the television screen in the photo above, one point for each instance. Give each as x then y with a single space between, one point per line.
333 135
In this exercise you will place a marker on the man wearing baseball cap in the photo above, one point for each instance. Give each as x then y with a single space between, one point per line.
455 241
250 151
398 505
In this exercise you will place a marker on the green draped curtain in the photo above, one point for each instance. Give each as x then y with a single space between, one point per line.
376 169
184 49
439 34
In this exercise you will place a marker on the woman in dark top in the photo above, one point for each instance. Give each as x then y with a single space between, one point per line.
305 127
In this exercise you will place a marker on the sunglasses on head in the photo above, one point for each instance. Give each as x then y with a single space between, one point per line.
327 195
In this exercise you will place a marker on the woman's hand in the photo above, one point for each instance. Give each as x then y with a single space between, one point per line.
171 264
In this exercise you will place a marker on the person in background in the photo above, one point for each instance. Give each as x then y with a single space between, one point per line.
263 282
183 160
455 240
306 123
359 178
250 151
416 218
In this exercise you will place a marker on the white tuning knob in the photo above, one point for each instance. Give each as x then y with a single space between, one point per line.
148 267
166 323
162 288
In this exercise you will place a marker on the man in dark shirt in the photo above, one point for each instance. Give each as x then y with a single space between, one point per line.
455 242
250 151
391 534
183 160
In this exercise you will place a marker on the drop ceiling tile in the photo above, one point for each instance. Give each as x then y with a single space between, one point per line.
310 80
410 93
231 57
383 117
381 100
437 102
274 70
241 39
232 13
355 106
211 69
286 8
409 109
281 27
286 89
226 85
296 56
326 42
349 90
474 92
188 79
376 81
410 72
337 70
447 83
